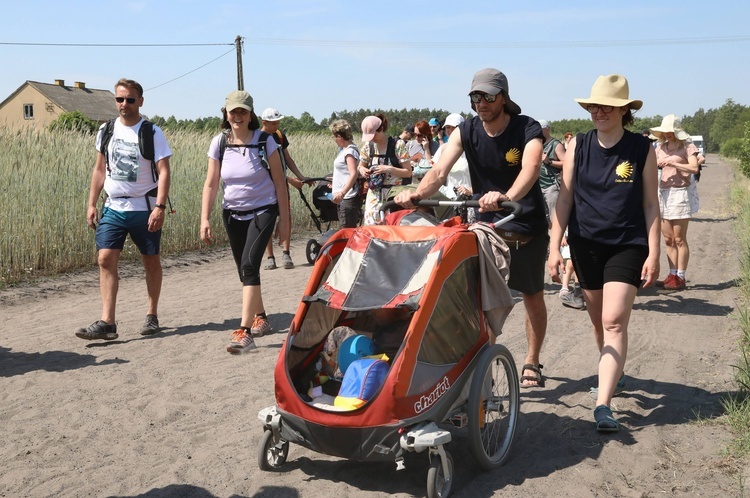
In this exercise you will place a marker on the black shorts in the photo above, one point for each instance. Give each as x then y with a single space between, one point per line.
527 265
596 263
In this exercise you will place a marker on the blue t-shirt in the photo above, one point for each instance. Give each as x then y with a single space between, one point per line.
608 190
495 163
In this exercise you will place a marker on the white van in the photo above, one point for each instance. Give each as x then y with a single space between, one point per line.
698 142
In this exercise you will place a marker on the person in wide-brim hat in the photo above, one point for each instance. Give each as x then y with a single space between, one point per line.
611 90
670 124
609 205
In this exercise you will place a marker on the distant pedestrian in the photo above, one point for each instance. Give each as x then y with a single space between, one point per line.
344 184
270 119
381 164
677 159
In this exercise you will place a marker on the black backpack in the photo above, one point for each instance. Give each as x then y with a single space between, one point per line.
262 147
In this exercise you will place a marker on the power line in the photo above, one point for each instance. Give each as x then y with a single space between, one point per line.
495 45
412 44
26 44
194 70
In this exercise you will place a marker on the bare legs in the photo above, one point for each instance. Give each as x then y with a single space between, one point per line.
536 329
109 281
609 310
252 304
675 239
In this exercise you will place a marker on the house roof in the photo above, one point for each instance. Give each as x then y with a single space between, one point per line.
97 105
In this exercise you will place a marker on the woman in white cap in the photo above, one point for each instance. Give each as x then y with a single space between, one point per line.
608 202
677 159
382 164
254 195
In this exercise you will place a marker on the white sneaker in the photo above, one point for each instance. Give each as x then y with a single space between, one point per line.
260 327
241 343
270 264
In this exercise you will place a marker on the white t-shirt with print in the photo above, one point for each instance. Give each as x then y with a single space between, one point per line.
129 176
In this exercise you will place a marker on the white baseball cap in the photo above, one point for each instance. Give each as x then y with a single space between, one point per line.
454 120
544 123
271 114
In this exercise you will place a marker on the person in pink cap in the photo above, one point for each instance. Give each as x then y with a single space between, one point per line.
382 164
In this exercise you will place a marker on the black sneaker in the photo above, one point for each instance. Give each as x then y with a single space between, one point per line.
98 330
151 326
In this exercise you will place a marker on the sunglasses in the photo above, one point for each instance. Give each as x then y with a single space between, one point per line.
129 100
593 108
477 97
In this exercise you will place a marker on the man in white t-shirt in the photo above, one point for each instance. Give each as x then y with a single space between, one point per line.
137 191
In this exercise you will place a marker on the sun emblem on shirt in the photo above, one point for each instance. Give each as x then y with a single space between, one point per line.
624 172
513 157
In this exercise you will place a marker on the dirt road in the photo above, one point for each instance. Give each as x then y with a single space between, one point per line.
175 415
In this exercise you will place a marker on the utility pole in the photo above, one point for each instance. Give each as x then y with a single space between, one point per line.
240 78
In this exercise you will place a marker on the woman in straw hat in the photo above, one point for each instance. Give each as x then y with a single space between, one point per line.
254 195
677 159
608 202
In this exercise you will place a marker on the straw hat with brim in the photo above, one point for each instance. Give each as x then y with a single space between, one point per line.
670 124
611 90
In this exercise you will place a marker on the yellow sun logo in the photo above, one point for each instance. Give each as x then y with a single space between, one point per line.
513 156
624 170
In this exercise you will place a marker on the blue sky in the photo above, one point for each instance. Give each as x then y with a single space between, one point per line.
322 56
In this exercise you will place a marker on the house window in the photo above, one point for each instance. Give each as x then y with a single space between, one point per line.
28 111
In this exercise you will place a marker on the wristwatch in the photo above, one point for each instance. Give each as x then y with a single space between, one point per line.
162 206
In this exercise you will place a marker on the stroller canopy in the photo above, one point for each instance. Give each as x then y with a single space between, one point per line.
381 269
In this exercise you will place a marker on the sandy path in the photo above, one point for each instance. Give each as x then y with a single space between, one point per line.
175 415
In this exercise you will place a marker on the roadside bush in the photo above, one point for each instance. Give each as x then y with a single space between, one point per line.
73 121
743 150
732 148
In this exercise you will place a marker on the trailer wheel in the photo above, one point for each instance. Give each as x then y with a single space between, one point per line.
438 484
271 456
312 251
493 407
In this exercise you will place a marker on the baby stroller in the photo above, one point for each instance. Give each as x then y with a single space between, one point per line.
328 213
440 374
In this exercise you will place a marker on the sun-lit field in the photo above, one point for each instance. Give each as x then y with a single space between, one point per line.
44 185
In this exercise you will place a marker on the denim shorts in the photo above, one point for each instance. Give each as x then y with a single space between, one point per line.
114 227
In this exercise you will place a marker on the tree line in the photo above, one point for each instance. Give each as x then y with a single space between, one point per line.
723 129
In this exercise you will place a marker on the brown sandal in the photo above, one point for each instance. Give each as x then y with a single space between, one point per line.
537 377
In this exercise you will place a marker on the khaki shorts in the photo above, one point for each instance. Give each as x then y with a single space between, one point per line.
675 203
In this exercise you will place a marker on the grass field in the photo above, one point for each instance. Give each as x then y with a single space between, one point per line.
45 179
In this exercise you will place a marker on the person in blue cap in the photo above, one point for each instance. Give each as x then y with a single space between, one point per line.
437 130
